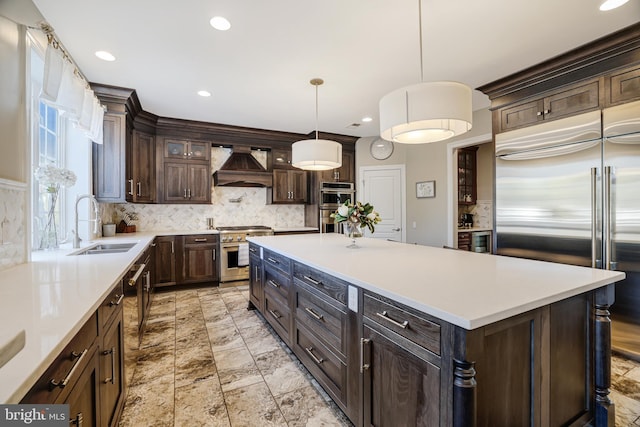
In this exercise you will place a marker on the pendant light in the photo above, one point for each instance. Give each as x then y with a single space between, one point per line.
425 112
316 154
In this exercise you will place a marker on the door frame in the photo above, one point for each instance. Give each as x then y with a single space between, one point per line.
452 182
403 190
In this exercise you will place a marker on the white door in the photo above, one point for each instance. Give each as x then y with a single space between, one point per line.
383 187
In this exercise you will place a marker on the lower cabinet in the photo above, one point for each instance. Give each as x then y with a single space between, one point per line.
88 374
200 258
165 261
255 278
400 388
83 399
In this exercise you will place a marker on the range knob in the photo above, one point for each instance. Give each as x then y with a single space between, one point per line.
223 239
239 238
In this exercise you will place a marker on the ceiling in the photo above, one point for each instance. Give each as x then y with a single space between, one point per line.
258 72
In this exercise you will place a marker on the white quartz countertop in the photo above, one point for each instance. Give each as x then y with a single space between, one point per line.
467 289
50 298
294 229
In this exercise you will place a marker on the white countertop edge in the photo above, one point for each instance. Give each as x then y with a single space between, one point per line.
464 322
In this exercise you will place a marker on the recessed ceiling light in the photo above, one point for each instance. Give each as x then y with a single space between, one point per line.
105 56
204 93
367 119
611 4
220 23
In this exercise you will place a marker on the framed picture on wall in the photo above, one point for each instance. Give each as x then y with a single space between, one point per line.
425 189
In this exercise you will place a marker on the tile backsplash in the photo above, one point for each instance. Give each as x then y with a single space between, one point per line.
13 241
482 214
229 206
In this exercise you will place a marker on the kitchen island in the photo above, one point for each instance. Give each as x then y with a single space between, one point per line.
412 335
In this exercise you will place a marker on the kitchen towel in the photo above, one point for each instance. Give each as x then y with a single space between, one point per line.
243 254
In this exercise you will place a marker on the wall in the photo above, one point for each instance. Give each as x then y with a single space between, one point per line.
13 161
425 162
225 209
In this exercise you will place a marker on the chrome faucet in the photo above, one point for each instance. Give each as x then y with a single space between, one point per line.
94 202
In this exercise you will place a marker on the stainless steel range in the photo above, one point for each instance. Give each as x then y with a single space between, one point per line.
234 252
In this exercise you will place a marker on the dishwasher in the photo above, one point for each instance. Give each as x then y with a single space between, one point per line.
138 282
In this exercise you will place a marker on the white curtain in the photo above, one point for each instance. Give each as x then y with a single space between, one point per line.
64 89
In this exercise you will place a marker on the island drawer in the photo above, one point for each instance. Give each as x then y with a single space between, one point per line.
325 366
323 282
404 321
327 321
111 304
276 283
65 370
276 260
278 315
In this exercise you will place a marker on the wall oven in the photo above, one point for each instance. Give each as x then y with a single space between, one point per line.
234 255
332 195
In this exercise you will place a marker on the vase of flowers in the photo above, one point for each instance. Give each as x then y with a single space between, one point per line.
356 216
52 178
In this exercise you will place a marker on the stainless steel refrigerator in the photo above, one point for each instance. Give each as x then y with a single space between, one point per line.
568 191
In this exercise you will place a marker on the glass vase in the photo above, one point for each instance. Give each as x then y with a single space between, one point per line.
49 235
353 232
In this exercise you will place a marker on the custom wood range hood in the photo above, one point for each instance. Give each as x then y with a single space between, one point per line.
242 170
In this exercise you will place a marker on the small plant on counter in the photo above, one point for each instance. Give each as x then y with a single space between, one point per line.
358 214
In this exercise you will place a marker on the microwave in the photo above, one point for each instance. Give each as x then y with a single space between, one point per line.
333 194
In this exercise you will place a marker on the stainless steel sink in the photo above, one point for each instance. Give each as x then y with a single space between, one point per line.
105 248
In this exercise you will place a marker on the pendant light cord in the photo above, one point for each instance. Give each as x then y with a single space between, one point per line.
420 44
316 112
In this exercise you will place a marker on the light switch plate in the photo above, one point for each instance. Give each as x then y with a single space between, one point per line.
353 298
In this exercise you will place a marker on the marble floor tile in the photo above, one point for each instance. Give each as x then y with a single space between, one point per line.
304 407
158 333
150 404
193 364
253 406
153 363
236 369
201 404
627 410
280 373
259 340
224 336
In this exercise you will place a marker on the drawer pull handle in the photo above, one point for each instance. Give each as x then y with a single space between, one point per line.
363 366
61 384
254 250
273 260
314 314
201 239
275 314
77 420
314 281
386 317
120 297
274 284
134 279
309 351
113 365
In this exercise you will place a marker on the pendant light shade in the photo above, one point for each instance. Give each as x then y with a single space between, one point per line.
316 154
426 112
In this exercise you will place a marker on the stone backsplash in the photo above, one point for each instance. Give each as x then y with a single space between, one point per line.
229 206
13 241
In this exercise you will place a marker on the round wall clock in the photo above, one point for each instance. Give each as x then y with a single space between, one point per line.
381 149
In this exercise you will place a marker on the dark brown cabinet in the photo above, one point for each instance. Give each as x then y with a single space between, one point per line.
400 388
623 85
464 240
199 258
112 383
141 186
580 98
281 158
467 176
165 261
185 175
256 291
109 160
289 187
84 399
344 173
187 183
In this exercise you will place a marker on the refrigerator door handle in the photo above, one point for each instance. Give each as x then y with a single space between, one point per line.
595 262
607 235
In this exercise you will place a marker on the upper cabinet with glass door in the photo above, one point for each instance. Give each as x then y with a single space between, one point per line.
187 149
